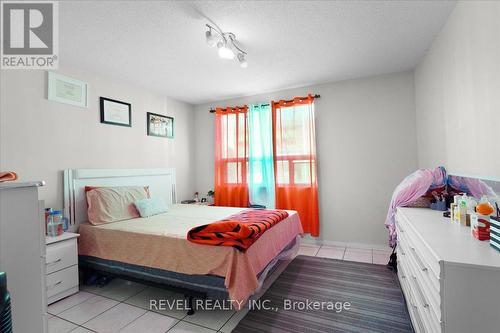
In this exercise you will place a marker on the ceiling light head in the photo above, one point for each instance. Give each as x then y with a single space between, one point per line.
242 60
226 44
211 39
225 52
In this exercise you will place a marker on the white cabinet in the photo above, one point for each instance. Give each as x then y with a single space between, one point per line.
22 254
61 265
450 280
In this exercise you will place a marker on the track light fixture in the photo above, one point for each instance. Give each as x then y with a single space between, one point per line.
242 60
211 39
225 52
226 45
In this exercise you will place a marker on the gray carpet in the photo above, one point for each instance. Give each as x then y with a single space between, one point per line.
377 303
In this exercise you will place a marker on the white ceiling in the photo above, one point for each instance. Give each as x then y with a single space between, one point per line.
160 45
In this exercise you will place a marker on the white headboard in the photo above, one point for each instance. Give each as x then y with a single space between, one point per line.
161 184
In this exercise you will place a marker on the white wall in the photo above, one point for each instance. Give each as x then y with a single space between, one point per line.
366 144
40 138
457 93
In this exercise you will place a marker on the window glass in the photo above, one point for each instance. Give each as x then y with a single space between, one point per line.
232 172
257 172
292 128
234 149
241 136
302 172
293 145
282 172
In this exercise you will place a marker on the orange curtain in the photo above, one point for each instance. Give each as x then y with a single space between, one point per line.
231 157
295 160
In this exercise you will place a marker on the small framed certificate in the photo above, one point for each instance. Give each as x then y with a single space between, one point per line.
65 89
115 112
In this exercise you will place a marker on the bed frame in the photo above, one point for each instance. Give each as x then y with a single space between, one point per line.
161 183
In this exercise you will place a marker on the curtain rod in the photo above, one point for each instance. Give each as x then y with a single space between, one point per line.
287 101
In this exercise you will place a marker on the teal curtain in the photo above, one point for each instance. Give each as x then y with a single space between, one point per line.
260 157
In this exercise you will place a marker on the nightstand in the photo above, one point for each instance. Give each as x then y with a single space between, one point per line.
199 203
61 266
206 203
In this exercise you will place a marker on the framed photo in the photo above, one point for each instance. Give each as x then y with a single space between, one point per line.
159 125
115 112
65 89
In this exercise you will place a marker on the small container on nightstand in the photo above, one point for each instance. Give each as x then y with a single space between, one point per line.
61 266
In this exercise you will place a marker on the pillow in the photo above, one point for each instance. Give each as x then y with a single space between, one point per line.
150 207
90 188
111 204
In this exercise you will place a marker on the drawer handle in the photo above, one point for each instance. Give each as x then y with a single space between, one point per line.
54 285
399 226
420 263
420 293
53 262
412 302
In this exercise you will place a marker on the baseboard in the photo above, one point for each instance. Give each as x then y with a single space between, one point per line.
316 241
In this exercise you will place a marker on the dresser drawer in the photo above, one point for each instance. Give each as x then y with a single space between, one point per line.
62 280
430 313
426 292
426 259
412 305
431 279
61 255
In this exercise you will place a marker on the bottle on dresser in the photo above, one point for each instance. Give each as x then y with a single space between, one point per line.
480 220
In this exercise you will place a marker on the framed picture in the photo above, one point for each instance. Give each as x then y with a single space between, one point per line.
159 125
65 89
115 112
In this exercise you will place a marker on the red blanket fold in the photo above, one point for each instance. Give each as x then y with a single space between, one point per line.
6 176
239 231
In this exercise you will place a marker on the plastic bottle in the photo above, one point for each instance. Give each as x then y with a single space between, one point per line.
484 207
58 220
51 226
462 208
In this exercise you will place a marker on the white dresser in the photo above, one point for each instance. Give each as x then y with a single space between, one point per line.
61 263
22 252
450 280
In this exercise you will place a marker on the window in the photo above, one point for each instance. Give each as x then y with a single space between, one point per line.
231 157
234 147
295 160
294 148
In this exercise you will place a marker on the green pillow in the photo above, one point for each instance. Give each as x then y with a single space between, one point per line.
151 206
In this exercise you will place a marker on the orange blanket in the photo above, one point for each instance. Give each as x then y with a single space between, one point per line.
239 231
7 176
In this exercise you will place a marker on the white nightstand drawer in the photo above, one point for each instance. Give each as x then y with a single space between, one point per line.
61 255
62 280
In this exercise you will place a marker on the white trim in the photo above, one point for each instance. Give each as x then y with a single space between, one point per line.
161 183
321 242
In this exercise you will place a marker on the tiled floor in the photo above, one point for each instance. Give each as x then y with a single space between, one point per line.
124 306
380 257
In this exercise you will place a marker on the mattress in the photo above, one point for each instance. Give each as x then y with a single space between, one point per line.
160 242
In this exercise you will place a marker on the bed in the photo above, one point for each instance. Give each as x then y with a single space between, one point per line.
155 249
